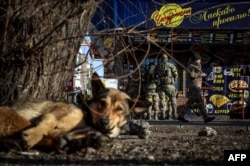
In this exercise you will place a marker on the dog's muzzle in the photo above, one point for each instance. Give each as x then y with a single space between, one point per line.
104 122
105 125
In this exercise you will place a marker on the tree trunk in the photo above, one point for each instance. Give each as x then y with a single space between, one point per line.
39 43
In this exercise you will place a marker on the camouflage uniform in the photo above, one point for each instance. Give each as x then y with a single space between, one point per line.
151 94
167 76
194 84
194 94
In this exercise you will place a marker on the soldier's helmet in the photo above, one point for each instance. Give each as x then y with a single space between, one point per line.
164 57
195 57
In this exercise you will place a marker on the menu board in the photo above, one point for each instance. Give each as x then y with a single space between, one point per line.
224 98
194 36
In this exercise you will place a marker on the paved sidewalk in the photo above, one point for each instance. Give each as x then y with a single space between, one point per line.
201 123
220 120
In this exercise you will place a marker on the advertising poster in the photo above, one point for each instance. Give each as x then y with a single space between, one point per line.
229 93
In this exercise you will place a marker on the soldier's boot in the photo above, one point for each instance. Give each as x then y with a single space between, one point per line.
163 114
208 119
181 116
175 116
170 117
156 116
204 113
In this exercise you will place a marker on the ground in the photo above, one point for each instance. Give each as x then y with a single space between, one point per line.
166 145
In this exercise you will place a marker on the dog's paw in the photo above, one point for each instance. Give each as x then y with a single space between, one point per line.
31 137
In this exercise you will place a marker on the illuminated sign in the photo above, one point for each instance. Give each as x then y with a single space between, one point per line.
170 15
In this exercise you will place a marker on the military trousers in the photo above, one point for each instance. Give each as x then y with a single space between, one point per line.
195 101
153 97
167 95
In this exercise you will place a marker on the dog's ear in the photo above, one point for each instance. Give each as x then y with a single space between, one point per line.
97 85
139 106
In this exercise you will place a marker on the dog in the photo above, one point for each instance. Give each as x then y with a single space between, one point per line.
33 123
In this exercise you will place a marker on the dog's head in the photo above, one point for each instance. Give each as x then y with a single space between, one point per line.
110 108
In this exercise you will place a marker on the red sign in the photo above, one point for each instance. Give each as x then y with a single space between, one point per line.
69 86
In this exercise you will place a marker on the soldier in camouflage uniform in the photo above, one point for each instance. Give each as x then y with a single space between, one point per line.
151 94
195 82
167 74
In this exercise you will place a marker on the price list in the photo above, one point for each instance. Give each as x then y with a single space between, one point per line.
140 38
163 36
223 37
183 36
195 36
202 37
242 37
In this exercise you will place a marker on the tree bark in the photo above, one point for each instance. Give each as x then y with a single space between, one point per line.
39 44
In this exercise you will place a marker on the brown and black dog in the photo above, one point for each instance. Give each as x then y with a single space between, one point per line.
53 125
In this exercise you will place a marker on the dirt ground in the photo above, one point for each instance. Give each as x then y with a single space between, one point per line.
166 145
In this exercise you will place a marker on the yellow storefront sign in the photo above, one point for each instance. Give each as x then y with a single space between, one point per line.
170 15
